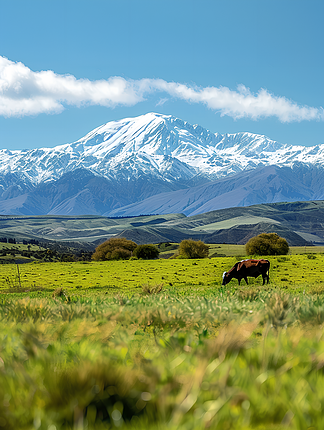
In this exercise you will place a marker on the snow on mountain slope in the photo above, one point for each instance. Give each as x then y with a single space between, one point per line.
268 184
155 144
126 161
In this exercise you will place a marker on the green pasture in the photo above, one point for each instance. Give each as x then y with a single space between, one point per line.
306 250
239 250
19 247
84 346
166 250
228 250
293 272
13 251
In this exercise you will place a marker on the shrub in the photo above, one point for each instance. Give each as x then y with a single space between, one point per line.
117 248
267 244
68 258
193 249
146 252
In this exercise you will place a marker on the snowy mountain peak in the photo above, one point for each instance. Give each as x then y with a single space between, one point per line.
154 134
161 146
127 161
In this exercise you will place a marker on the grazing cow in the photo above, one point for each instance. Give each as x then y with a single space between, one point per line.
245 268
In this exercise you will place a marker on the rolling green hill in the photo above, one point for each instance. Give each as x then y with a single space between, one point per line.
300 223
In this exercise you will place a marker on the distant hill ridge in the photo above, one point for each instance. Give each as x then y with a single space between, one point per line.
125 162
301 223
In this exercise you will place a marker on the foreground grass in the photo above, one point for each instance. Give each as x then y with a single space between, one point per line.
249 359
82 346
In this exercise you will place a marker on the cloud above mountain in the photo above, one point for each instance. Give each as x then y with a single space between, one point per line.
24 92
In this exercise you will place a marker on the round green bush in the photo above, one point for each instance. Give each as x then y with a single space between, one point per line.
193 249
146 252
267 244
117 248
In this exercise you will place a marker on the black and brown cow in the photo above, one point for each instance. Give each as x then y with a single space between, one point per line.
245 268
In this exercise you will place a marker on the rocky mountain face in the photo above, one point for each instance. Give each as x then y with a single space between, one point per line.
269 184
156 164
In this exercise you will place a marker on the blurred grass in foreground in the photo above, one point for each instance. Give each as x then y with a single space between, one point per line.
243 359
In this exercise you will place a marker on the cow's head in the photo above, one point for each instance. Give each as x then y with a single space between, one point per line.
226 278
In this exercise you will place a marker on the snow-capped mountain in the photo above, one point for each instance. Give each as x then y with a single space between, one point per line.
126 161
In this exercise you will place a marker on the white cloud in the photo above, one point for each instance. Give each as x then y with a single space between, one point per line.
161 101
24 92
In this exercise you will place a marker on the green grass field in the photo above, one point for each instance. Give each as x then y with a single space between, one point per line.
215 250
82 346
293 272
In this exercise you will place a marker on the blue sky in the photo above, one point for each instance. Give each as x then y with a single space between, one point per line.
69 66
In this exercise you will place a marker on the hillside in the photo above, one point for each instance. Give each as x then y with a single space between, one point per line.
270 184
300 223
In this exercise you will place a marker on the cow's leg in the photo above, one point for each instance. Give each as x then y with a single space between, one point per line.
246 280
266 277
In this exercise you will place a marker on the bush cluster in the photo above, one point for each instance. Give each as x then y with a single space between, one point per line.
267 244
123 249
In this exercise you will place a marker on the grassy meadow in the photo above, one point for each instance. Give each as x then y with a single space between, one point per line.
295 273
162 345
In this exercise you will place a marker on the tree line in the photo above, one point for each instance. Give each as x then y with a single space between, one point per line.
12 240
124 249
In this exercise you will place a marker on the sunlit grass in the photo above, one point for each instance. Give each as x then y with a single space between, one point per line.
161 345
292 272
19 247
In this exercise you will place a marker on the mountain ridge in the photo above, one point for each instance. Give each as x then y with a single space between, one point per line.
127 161
269 184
